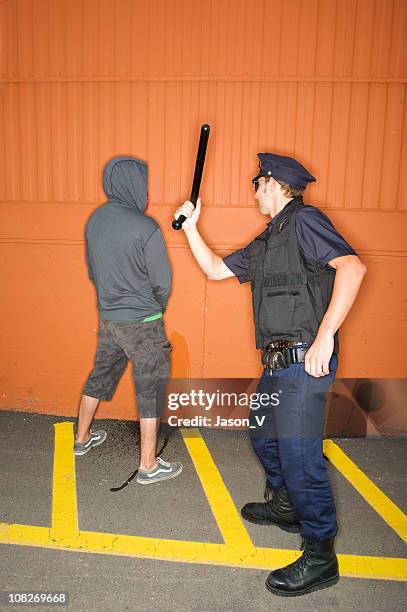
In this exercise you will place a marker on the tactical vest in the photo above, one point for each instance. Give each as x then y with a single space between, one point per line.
290 294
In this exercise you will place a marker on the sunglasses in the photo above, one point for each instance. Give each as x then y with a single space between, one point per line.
256 183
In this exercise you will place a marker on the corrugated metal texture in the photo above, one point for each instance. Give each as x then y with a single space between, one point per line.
321 79
288 38
58 136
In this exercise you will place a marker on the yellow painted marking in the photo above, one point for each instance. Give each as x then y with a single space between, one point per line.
355 566
238 550
387 509
64 504
220 501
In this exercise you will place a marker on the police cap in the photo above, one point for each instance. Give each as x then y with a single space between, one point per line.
282 168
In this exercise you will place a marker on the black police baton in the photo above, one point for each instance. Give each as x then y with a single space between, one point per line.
200 160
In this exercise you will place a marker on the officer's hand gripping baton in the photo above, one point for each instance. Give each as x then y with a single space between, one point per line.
200 160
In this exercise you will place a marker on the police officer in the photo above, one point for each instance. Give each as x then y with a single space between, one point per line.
304 279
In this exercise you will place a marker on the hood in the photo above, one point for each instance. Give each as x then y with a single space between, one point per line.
125 182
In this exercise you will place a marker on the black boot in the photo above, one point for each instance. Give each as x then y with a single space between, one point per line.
276 510
316 569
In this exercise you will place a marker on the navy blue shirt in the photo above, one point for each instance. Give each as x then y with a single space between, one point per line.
317 238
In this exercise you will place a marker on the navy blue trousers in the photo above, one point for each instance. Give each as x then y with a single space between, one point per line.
287 439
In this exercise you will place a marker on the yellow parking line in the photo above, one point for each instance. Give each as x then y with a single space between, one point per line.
380 568
387 509
220 501
64 504
238 550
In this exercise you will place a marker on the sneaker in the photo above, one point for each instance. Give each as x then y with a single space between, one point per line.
95 438
164 470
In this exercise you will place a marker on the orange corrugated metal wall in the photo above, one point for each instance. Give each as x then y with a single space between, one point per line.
82 81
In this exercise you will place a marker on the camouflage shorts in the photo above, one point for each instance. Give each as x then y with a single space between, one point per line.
147 347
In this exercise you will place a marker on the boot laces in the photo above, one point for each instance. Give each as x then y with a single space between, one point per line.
299 565
268 495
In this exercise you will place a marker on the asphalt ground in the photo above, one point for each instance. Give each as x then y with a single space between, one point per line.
161 569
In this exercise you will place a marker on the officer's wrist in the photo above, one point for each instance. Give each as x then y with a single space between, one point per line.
326 332
191 230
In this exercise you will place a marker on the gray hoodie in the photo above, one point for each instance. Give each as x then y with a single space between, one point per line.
125 250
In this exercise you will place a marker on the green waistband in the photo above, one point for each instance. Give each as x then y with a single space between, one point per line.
153 317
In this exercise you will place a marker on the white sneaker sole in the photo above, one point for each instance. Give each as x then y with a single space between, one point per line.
81 453
161 478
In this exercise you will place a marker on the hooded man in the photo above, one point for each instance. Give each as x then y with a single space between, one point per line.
129 266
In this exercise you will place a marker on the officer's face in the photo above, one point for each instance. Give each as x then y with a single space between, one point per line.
263 194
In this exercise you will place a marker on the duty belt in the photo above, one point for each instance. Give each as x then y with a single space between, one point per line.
282 353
